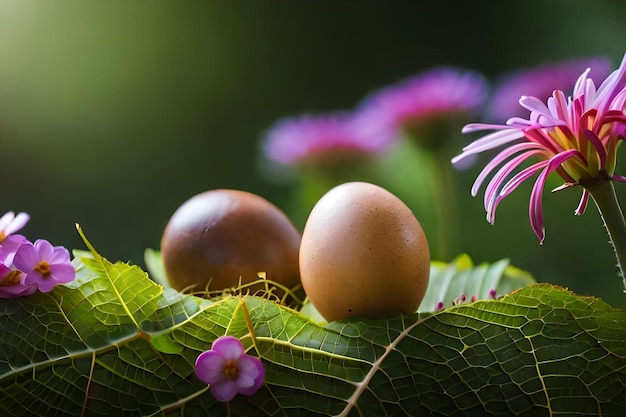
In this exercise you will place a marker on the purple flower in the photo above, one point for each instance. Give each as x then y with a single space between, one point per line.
576 137
44 265
12 283
540 82
24 267
434 98
9 247
229 370
321 139
10 223
9 241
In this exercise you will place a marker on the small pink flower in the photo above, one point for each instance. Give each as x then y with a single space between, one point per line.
459 300
462 299
44 265
229 370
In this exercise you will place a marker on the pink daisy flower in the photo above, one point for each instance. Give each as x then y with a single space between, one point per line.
576 137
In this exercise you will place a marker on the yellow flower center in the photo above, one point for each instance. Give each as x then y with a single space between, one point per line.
231 371
43 268
12 278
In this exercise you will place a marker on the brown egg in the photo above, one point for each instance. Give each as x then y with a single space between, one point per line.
363 254
218 236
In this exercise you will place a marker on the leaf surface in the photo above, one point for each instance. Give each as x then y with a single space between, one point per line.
113 342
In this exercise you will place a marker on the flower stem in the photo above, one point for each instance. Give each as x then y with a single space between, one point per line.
603 194
444 200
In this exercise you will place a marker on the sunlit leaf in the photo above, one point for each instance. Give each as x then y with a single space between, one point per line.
116 343
154 265
461 277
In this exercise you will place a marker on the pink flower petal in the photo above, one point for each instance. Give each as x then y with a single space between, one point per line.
6 219
224 391
521 176
611 87
535 105
251 375
26 258
62 273
10 223
535 206
229 347
210 367
488 142
599 147
582 205
502 156
44 249
492 196
60 255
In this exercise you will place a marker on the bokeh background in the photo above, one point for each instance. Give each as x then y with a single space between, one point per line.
114 113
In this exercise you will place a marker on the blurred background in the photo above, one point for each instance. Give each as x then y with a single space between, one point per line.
112 114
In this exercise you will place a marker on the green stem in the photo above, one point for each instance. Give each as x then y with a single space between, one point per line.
603 194
444 199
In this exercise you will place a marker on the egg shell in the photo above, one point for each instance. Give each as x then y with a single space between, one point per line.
219 236
363 254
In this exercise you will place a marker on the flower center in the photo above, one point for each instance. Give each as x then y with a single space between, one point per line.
43 268
2 236
12 278
231 371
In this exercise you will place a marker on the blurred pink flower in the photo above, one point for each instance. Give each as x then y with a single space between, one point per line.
439 96
576 137
320 139
229 370
540 82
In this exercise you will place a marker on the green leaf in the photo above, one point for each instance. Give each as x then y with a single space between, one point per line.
462 277
154 265
116 343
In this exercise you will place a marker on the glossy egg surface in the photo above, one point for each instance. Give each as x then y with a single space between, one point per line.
363 254
220 236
